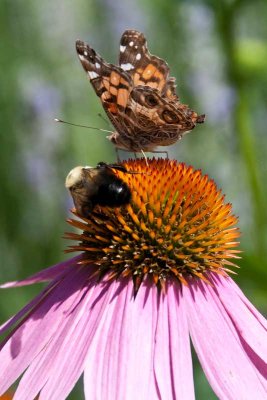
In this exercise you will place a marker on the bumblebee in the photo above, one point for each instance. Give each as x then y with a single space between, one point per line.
92 186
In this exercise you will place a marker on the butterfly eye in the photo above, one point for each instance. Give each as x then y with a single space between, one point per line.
151 100
170 117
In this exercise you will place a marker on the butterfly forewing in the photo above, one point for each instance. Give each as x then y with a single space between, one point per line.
110 82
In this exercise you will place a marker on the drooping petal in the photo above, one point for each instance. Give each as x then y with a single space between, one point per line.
172 359
56 272
227 367
25 310
120 360
45 274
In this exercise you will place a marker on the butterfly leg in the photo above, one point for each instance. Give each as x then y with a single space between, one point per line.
117 155
161 152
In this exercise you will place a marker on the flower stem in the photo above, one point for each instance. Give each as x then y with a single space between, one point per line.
226 15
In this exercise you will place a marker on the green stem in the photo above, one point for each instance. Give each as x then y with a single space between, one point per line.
225 15
245 133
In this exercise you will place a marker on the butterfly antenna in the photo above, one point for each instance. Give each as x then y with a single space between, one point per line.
82 126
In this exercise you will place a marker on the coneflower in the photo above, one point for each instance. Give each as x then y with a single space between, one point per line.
151 276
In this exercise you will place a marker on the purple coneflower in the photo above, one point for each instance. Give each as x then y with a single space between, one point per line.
150 277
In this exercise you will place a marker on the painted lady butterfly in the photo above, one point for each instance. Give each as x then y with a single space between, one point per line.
138 96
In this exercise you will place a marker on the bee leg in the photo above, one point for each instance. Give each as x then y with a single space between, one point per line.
84 210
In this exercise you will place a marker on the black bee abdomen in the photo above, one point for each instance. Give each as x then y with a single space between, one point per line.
114 193
120 193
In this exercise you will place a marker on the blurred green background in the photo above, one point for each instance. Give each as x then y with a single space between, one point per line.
217 50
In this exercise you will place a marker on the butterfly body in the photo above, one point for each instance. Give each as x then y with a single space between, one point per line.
138 96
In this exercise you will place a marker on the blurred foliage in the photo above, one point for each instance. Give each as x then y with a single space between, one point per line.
217 51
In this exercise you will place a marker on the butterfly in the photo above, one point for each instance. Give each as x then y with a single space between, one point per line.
138 96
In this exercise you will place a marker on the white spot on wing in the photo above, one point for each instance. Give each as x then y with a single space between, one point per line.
131 43
85 53
97 65
92 74
138 56
122 49
127 67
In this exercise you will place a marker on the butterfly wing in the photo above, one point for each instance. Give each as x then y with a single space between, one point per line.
109 81
145 68
162 122
138 96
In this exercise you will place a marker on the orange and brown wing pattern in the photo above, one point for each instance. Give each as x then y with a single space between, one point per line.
110 82
145 69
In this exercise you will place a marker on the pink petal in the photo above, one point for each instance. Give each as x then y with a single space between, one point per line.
221 354
248 326
120 360
162 362
172 359
45 274
180 351
59 365
70 360
249 305
39 327
25 310
41 369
